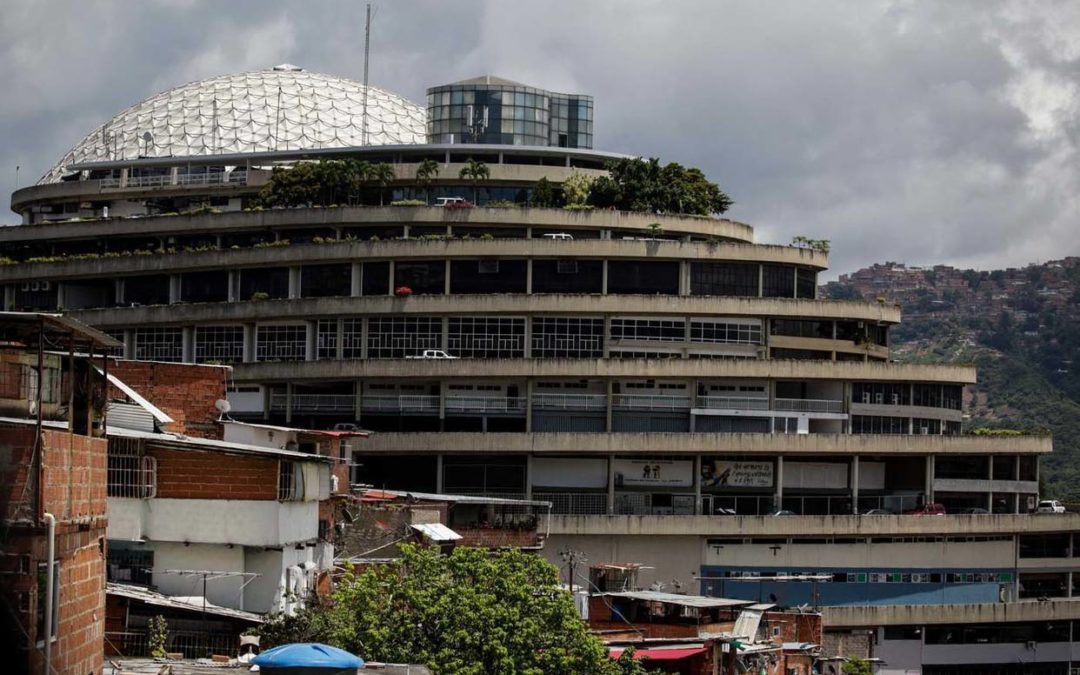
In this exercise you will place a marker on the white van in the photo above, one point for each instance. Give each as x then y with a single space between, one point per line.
560 236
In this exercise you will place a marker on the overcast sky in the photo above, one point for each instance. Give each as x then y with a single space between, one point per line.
923 132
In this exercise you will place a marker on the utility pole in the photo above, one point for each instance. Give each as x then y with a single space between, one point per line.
367 51
572 558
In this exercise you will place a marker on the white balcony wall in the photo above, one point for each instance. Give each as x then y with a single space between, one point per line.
213 521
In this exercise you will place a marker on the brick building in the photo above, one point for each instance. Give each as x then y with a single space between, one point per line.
52 499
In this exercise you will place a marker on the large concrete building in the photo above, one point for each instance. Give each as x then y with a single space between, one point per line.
664 381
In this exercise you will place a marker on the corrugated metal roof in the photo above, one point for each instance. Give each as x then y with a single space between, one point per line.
436 531
63 324
211 445
746 625
194 604
699 601
459 499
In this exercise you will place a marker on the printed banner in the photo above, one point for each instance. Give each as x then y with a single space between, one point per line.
654 472
723 473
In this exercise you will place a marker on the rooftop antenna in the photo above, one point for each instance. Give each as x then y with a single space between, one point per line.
367 52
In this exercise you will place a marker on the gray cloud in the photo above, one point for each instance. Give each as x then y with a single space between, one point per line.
922 132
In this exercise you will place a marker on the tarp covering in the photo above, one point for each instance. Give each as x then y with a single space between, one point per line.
661 654
307 655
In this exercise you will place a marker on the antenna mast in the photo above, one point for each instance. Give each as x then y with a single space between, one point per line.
367 51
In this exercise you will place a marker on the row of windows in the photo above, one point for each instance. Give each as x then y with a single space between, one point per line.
880 424
882 577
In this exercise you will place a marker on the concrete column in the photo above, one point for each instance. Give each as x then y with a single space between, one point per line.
611 485
684 277
311 352
444 340
288 401
603 278
442 400
760 279
9 298
174 288
356 280
364 337
697 480
528 408
234 286
607 336
61 287
528 337
129 343
929 479
339 352
294 282
405 232
118 291
174 175
439 474
446 278
779 482
528 276
123 177
528 476
358 394
391 277
610 402
855 484
249 342
990 478
187 342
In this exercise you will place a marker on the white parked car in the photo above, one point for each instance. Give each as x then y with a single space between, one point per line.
433 354
1050 506
562 236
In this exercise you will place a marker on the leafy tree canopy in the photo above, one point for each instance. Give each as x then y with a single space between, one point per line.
644 185
469 613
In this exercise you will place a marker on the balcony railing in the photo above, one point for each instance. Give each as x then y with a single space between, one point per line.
132 476
412 403
193 644
483 404
314 402
651 402
182 180
570 401
734 402
808 405
571 503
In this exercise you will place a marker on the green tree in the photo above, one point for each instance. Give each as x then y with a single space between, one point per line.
576 188
426 172
468 613
635 184
543 195
856 666
381 175
475 172
157 636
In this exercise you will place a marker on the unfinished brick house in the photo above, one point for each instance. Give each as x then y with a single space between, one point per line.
52 494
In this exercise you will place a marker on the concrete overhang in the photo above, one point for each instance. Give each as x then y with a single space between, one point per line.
508 304
691 443
812 526
216 223
399 249
636 369
871 616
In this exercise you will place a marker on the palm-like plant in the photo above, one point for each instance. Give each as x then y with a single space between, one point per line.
426 172
474 172
382 175
357 171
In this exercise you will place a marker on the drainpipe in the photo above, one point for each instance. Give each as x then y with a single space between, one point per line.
49 581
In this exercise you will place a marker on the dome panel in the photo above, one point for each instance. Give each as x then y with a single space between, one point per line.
283 108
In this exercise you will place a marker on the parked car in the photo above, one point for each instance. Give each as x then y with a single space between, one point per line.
432 354
561 236
783 512
453 203
974 511
877 512
1050 506
928 510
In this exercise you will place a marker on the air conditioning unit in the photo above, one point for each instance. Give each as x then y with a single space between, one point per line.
879 398
866 397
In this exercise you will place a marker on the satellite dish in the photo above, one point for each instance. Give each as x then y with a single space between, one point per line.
223 406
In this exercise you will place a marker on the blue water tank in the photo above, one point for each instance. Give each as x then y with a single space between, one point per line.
307 659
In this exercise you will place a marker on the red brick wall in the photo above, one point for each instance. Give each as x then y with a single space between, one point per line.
75 475
16 443
184 474
80 648
185 392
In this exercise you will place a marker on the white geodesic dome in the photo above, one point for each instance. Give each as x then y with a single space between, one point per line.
282 108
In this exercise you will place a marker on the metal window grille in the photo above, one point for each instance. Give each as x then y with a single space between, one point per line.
281 343
159 344
132 476
726 332
219 343
352 338
567 337
398 337
487 337
663 330
326 338
287 479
